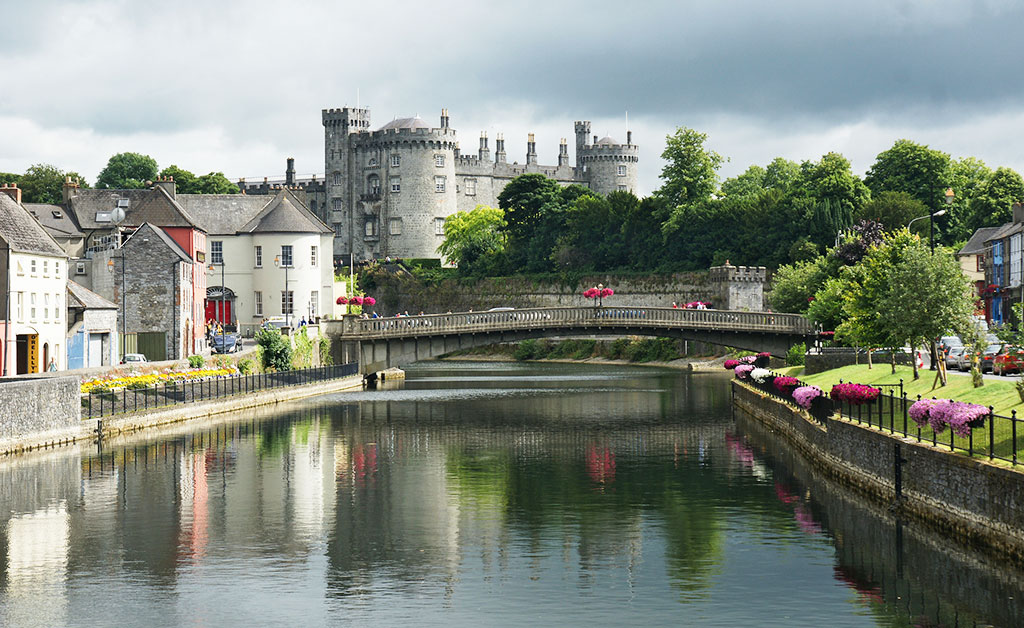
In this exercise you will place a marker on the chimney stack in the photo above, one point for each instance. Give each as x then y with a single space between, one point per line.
13 191
531 150
289 173
69 190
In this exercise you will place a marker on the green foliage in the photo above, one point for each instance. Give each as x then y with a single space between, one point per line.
532 350
302 354
275 350
43 183
803 250
652 350
691 174
995 196
196 361
184 181
617 349
139 386
794 285
246 366
324 348
127 171
919 172
222 361
749 183
573 349
470 236
795 355
215 183
894 210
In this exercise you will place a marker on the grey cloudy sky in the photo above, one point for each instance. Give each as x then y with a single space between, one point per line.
237 86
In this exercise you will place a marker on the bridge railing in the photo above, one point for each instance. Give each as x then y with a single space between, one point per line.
595 317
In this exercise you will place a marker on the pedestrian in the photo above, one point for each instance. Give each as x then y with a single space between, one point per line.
53 365
675 306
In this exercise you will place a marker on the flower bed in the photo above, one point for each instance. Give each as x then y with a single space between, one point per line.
151 379
960 416
731 364
760 375
786 384
743 371
804 395
854 394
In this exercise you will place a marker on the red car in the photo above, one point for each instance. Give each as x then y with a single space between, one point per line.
1010 359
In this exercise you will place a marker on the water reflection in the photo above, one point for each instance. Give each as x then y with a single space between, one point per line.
474 494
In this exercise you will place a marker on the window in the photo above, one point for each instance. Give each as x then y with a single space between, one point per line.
1015 260
396 160
470 187
217 252
439 184
21 269
622 171
396 184
312 256
56 270
257 303
46 268
258 252
314 296
21 307
979 261
336 204
370 228
286 255
32 306
622 188
336 178
439 161
79 268
56 307
373 161
395 226
46 306
439 226
32 268
373 184
286 301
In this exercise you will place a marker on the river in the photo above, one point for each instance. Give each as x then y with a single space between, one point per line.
475 494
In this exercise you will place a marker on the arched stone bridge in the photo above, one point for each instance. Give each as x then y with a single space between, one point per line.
380 343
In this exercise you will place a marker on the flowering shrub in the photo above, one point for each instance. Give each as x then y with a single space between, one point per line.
804 395
743 371
595 293
786 384
747 359
151 379
764 354
854 394
731 364
938 413
760 375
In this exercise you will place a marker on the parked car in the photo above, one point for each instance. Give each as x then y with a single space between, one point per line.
952 357
275 321
948 342
987 358
130 358
1010 359
226 343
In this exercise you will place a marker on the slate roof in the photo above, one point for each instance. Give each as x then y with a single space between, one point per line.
23 232
1003 231
151 205
977 242
405 123
56 220
82 297
228 214
147 229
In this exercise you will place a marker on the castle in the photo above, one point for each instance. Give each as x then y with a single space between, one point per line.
388 192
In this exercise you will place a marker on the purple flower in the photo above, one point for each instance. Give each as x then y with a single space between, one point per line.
743 371
804 395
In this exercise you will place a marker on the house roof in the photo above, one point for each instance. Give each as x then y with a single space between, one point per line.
228 214
152 205
286 214
20 229
162 236
1003 231
977 242
56 220
81 297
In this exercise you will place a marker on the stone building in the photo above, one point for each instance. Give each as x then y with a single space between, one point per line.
92 329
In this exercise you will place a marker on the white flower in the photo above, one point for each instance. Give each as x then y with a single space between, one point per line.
760 375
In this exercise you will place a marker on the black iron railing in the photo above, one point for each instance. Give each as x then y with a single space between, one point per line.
108 403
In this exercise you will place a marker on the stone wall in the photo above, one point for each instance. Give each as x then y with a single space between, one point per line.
38 405
972 499
833 357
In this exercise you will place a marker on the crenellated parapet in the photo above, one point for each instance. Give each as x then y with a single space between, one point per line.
436 138
738 287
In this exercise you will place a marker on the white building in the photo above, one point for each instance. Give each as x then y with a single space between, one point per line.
256 244
33 275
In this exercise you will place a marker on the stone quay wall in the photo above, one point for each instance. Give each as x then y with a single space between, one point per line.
829 358
38 405
969 498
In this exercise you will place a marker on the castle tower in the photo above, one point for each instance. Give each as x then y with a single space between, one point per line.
609 166
341 128
289 172
531 150
563 153
484 153
499 151
582 133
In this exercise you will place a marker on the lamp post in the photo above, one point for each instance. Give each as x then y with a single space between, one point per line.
222 308
280 263
931 232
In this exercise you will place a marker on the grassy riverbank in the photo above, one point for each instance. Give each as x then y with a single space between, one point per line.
1000 394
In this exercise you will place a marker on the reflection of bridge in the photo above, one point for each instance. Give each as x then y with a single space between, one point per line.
380 343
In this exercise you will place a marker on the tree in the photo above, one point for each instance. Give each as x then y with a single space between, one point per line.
781 174
43 183
215 183
274 349
469 236
966 177
992 204
691 174
534 207
749 183
894 210
184 181
795 285
127 171
915 169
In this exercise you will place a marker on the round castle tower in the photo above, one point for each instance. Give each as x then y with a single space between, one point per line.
605 164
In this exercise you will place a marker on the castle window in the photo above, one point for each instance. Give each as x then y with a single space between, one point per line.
79 268
396 184
373 161
395 226
439 161
396 160
439 184
470 187
439 226
622 171
622 188
370 228
312 206
336 178
373 184
336 204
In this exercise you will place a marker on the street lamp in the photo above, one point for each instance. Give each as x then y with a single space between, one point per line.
222 307
279 263
931 231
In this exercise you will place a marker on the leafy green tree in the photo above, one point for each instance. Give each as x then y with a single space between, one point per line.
894 210
275 349
992 204
469 236
215 183
966 177
749 183
794 285
127 171
803 250
915 169
691 174
184 181
827 307
535 208
594 238
9 177
43 183
781 174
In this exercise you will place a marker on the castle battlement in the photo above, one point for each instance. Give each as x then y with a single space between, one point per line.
730 273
